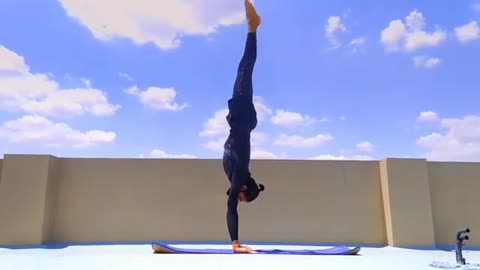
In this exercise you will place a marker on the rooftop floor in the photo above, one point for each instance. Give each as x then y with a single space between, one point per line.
140 256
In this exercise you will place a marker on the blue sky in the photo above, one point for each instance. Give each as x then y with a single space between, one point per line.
333 80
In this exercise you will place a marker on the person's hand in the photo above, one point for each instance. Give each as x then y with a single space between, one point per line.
237 248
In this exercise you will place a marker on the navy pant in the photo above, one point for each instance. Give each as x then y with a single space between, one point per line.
243 87
242 120
242 90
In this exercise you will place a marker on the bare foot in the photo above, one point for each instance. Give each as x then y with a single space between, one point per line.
253 19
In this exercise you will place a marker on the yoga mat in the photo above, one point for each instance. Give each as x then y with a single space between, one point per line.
159 248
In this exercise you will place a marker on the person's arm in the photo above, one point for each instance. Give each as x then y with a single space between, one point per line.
232 213
232 204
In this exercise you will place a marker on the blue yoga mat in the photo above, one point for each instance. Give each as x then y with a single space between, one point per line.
160 248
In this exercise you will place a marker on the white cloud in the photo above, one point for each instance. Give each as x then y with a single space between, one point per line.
215 145
468 32
410 34
291 119
133 90
427 116
355 154
357 44
216 128
365 147
333 26
298 141
156 153
422 61
259 142
459 142
258 139
12 63
161 22
41 131
217 125
21 90
256 152
358 41
156 98
263 110
334 157
126 77
393 34
262 154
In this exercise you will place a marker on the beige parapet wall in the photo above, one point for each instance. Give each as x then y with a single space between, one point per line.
396 202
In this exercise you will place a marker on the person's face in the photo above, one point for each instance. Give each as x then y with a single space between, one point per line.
242 197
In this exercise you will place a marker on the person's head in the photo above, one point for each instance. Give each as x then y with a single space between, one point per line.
250 191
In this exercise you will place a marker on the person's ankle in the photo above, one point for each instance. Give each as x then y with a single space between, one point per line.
252 28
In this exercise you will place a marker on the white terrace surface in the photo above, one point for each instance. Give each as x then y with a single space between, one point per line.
117 257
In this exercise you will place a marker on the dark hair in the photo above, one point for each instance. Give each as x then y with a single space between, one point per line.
253 190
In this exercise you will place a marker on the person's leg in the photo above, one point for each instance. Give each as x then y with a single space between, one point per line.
228 164
243 83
